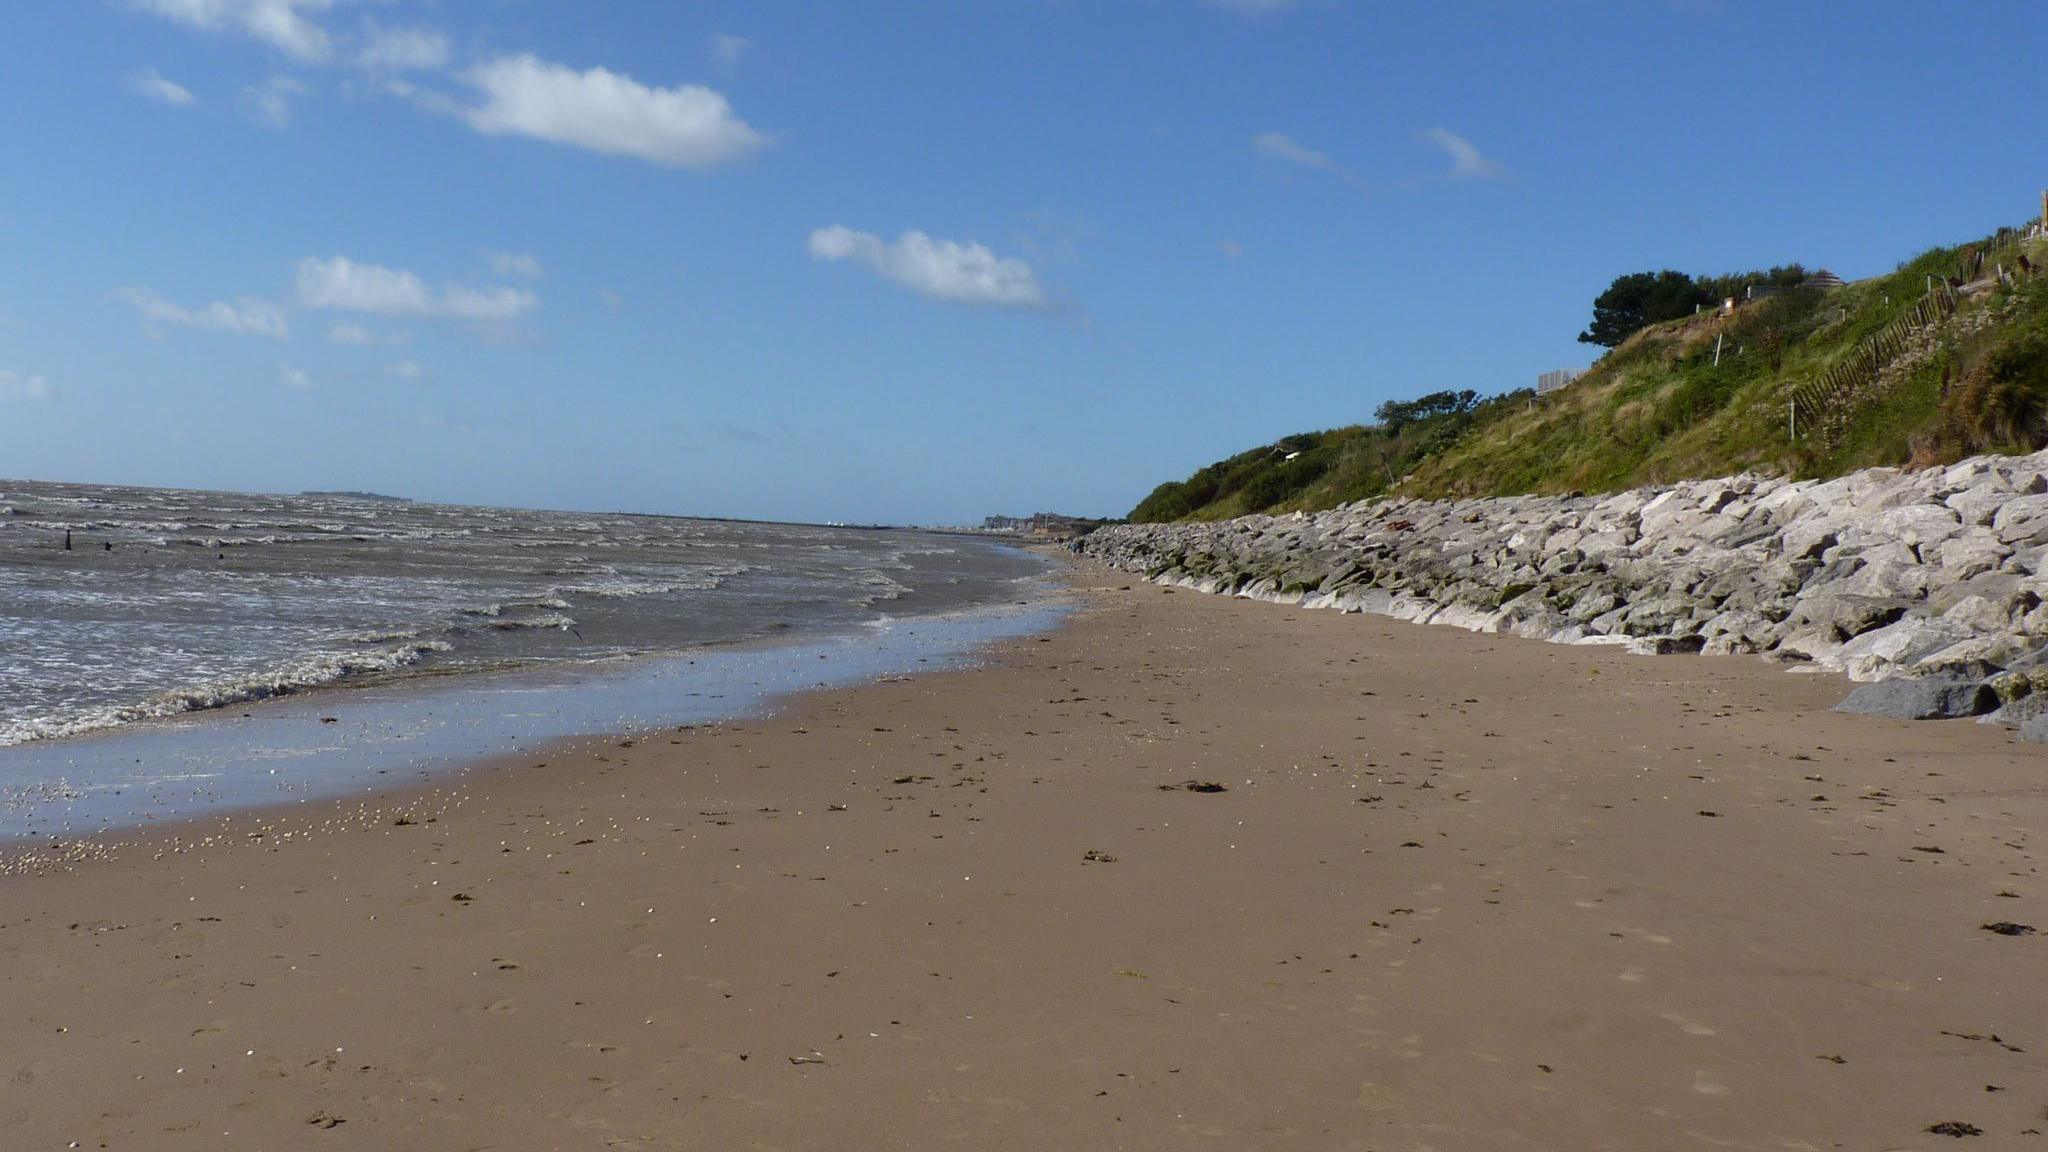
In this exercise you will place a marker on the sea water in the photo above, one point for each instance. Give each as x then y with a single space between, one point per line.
183 652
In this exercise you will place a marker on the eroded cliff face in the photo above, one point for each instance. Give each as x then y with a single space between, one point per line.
1937 576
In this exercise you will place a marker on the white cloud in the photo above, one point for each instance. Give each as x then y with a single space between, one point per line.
152 84
246 315
605 112
1280 146
1466 161
408 369
517 264
17 386
342 284
385 49
942 269
294 378
357 336
1283 146
273 99
282 24
728 48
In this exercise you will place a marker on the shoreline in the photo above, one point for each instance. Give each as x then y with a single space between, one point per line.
449 725
1457 890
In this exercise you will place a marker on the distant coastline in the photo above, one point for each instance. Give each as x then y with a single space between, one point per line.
346 495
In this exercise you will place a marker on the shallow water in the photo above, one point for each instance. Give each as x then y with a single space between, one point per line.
170 601
343 742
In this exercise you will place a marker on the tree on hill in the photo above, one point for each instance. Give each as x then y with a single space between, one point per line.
1395 415
1782 276
1638 300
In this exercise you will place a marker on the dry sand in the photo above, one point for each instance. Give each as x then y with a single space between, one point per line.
1461 892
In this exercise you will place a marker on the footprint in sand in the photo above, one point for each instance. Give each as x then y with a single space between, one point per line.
1633 975
1688 1026
1706 1084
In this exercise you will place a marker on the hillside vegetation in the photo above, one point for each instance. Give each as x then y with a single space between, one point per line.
1881 372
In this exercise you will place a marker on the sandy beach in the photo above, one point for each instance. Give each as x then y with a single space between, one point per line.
1451 891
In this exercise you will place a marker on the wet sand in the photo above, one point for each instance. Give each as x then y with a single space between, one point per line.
1456 892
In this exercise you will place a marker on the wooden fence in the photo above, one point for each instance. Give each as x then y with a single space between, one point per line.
1821 406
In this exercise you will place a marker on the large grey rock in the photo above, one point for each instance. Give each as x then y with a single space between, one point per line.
1927 699
2017 713
1900 644
1917 525
1971 552
1883 574
1847 615
2035 728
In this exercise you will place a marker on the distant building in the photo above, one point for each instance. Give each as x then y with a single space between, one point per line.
1051 524
1822 279
1040 525
1761 291
1549 382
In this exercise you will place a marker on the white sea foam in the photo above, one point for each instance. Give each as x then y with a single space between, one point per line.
547 620
310 671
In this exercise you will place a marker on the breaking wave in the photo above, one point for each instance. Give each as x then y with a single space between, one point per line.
313 671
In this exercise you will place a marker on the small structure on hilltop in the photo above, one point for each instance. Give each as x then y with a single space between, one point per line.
1548 382
1822 279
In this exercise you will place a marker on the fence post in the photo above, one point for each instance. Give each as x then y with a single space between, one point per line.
1792 417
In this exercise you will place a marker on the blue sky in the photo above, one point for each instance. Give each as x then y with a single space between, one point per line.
918 261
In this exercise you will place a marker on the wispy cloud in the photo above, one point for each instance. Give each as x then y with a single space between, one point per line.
294 28
244 315
727 48
1282 147
383 49
357 336
273 98
1253 7
294 378
515 264
20 386
600 111
342 284
286 25
408 370
941 269
1466 161
152 84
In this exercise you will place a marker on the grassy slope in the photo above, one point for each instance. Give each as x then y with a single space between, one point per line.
1654 410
